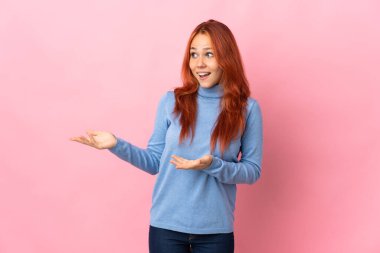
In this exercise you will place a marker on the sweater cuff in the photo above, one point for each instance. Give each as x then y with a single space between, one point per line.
215 164
117 145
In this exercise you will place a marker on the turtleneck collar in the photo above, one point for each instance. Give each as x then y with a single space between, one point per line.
215 91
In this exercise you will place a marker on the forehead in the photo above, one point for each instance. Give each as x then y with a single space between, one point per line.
201 41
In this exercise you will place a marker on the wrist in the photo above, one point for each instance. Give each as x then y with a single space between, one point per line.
211 159
114 142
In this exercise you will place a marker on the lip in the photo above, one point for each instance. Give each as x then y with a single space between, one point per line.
205 77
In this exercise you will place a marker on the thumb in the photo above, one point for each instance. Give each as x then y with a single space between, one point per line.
91 132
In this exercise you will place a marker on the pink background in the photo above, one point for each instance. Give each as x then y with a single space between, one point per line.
69 66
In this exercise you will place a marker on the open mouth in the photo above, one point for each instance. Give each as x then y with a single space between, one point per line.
203 75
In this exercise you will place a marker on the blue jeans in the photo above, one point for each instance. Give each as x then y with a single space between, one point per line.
168 241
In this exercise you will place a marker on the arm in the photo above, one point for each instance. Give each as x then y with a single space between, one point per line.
248 169
147 159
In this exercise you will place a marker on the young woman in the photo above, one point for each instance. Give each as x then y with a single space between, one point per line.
200 129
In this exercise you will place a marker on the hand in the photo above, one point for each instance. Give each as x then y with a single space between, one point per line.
97 139
198 164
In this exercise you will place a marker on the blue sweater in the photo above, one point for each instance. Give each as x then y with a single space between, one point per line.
196 201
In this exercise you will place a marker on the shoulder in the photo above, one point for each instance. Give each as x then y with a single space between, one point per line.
169 97
253 108
167 100
252 104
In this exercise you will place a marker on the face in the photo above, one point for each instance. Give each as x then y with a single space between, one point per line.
202 63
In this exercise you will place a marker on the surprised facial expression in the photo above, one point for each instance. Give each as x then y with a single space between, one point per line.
202 63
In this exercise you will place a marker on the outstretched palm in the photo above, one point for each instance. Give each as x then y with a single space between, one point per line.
198 164
97 139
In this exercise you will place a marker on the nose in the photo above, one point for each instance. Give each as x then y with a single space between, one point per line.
200 62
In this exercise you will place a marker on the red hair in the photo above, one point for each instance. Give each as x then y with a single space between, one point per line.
231 120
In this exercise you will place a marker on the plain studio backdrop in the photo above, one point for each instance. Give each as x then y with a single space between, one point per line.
69 66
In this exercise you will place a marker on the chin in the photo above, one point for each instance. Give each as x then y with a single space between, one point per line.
206 85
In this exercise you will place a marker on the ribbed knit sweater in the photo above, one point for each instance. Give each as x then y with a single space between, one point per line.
196 201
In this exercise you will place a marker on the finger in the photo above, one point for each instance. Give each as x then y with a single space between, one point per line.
178 158
91 138
178 165
77 139
175 158
85 140
82 140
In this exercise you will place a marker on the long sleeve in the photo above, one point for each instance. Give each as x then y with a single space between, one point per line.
248 169
147 159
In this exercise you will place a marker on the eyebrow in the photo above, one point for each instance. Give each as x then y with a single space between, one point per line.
205 48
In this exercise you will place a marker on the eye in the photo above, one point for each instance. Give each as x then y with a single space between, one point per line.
193 55
209 54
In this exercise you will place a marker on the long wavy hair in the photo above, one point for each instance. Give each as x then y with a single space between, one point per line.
231 120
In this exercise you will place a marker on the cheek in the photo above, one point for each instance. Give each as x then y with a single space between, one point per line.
217 70
191 65
215 66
